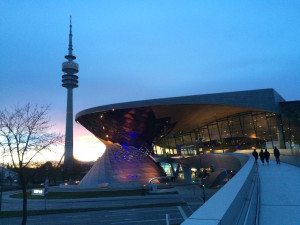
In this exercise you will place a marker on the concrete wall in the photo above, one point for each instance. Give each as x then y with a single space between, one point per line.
229 205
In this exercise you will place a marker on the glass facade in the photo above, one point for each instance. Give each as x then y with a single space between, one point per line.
237 132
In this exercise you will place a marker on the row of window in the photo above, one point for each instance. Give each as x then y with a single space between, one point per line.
237 132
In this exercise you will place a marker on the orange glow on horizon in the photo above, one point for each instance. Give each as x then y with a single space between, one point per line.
87 148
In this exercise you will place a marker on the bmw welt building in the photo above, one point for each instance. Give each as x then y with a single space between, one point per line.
141 136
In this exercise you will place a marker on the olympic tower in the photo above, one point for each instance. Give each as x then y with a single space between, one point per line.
69 81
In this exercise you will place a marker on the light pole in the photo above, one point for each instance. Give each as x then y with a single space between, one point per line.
202 185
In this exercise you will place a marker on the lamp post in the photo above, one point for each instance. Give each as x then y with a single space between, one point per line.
202 185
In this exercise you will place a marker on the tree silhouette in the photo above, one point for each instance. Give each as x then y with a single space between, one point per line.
24 133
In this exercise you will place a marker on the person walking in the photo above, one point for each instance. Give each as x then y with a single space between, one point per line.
255 154
262 156
267 156
277 154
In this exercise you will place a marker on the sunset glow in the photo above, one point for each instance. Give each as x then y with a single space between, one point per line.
87 148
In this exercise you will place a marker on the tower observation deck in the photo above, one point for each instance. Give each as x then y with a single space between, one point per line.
69 81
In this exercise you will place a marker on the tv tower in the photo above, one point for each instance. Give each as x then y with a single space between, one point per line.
69 81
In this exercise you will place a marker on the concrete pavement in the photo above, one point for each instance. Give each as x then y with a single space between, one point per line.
280 194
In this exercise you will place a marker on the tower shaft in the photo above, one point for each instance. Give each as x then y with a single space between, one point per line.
69 81
69 131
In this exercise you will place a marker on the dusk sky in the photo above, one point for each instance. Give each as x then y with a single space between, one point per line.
136 50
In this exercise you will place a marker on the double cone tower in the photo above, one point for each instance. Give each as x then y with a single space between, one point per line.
69 81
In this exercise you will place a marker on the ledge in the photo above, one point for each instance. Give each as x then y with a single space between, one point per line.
227 204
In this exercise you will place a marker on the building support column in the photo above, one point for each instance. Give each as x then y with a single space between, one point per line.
187 174
182 139
290 135
269 130
175 172
230 132
178 147
255 129
169 147
197 143
221 139
280 133
242 127
208 131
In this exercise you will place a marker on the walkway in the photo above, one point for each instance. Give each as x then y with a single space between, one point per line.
280 194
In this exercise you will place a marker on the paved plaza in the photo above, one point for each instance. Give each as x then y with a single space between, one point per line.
280 194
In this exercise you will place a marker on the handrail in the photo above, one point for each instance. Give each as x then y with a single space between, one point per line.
254 194
157 178
257 215
229 200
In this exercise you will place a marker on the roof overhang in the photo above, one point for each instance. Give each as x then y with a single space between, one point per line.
135 123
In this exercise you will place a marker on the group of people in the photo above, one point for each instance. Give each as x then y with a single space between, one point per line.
265 155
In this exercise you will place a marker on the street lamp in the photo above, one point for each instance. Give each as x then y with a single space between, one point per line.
202 185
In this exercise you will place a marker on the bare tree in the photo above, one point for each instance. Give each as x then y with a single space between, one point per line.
3 152
25 133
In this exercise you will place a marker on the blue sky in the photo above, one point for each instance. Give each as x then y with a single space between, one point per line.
134 50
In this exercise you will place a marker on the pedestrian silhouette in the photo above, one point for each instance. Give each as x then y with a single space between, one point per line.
255 154
262 156
277 154
267 155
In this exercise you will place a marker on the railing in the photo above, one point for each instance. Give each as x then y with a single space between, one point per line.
253 211
257 216
232 201
158 178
